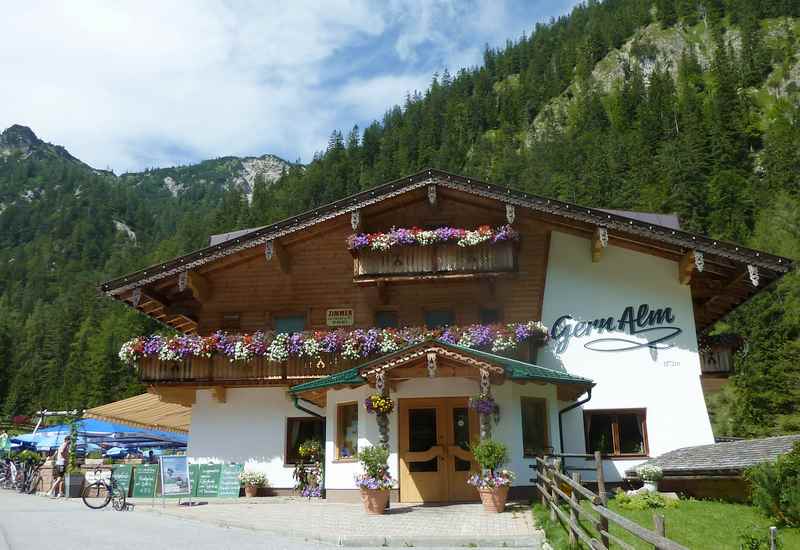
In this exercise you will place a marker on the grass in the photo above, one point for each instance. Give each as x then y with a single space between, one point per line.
696 524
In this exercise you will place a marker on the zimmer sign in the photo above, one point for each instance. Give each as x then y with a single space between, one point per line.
651 327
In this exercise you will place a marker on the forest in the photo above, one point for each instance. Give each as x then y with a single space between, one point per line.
598 107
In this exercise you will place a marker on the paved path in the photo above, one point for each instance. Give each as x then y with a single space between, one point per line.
30 522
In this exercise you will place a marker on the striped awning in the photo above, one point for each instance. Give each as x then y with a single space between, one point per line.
144 411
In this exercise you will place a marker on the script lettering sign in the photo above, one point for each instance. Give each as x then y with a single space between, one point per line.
651 327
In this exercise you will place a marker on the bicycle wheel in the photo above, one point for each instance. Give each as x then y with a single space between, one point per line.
97 495
118 500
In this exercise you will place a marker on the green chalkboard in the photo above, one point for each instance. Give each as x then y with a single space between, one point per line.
122 473
208 480
144 480
194 473
229 480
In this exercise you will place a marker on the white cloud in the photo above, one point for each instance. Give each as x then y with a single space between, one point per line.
147 83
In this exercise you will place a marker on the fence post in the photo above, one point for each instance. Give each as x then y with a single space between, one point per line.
541 479
601 492
553 495
773 538
601 479
573 515
659 526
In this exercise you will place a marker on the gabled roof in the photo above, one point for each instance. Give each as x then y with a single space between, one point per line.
512 368
551 207
727 458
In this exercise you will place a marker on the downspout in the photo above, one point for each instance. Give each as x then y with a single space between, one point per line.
567 409
296 401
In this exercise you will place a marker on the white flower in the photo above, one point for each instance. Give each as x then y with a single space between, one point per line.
279 350
426 237
387 342
311 347
650 472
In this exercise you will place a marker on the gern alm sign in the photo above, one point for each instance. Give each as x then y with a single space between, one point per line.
651 327
341 317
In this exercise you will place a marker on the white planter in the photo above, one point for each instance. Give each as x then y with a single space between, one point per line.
651 486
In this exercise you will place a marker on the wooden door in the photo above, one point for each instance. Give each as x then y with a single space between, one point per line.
435 461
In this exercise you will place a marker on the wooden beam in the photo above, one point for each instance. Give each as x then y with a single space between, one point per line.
686 268
219 394
599 242
279 251
723 293
200 286
383 293
180 394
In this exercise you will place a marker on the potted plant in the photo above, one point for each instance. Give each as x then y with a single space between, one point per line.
308 472
252 481
375 482
650 474
493 482
73 479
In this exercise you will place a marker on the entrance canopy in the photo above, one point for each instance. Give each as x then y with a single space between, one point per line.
145 411
437 358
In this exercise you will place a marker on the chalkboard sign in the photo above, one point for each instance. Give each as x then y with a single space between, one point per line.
144 480
208 480
229 480
122 474
194 473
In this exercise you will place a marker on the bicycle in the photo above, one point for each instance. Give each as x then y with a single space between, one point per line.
9 474
31 476
101 492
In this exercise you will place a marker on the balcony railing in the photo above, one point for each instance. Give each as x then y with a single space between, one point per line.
256 371
260 371
717 362
435 260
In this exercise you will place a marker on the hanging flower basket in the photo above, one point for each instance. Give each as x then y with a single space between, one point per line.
379 404
485 405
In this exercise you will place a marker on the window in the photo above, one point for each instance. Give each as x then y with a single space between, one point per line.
386 319
436 318
489 316
300 430
346 430
289 323
534 426
616 433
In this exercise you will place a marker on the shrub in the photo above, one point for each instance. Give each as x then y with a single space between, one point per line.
490 454
754 538
650 472
644 501
775 487
376 470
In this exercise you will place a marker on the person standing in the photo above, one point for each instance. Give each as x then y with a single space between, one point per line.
62 457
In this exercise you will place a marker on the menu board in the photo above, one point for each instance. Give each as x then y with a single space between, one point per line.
122 474
175 476
144 480
229 484
208 480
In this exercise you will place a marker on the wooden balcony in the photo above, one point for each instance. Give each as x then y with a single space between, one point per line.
256 372
439 261
218 371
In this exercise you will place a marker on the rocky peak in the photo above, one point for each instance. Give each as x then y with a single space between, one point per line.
19 137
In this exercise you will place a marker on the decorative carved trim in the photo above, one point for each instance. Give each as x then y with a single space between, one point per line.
183 280
432 195
602 234
510 213
355 219
699 261
431 364
269 250
752 271
136 297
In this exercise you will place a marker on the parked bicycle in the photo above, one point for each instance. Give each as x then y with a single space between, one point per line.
9 474
101 492
30 474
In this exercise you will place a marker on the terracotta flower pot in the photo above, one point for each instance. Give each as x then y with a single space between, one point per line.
251 490
494 498
375 500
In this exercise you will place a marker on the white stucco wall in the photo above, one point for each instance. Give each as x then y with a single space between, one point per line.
666 382
249 428
340 474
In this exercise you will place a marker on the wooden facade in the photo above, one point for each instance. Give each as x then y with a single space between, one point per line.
301 268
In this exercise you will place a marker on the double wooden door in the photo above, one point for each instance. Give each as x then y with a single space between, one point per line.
435 460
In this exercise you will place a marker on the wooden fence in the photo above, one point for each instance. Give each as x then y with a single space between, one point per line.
562 496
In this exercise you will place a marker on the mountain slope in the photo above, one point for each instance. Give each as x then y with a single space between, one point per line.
642 122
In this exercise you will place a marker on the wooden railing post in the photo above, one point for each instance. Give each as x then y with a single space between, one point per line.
659 526
551 477
573 516
542 481
601 493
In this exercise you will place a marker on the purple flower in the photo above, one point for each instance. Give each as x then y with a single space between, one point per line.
296 344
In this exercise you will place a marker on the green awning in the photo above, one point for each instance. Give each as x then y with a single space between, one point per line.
514 369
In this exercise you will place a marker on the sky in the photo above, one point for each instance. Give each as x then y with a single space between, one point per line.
144 84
